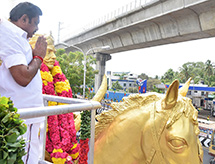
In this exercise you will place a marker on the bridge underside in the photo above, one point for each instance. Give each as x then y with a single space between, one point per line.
165 22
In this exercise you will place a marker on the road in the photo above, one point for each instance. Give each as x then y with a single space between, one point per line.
204 114
206 157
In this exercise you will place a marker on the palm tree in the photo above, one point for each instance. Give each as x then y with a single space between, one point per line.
186 71
209 70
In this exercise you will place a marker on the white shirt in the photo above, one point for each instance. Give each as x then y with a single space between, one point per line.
16 50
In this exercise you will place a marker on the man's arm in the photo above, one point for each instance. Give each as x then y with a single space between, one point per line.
23 74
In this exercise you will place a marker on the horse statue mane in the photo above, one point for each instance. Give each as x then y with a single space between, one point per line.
129 103
149 128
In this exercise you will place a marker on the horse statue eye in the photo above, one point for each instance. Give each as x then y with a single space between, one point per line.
177 145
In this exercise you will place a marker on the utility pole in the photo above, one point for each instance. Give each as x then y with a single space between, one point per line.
59 28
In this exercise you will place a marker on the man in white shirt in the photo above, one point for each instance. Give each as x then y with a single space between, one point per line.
19 72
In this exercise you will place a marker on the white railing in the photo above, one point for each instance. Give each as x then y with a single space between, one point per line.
74 105
128 8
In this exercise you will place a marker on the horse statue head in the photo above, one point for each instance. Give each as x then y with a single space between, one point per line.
149 128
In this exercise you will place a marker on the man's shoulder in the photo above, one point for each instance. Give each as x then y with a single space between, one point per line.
6 29
11 35
9 29
4 22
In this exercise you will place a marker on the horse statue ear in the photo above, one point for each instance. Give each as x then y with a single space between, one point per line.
101 91
171 96
183 90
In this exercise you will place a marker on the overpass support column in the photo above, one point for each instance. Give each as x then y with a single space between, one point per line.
100 66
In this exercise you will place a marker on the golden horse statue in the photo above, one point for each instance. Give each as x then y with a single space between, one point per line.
149 128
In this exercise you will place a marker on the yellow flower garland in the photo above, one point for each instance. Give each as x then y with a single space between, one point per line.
62 86
74 156
58 160
55 70
46 76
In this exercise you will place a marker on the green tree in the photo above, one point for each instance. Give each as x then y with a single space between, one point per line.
155 89
151 83
209 71
186 71
191 69
168 77
133 90
156 77
143 76
198 73
73 68
121 76
116 86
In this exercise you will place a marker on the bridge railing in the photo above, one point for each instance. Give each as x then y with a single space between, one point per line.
134 5
128 8
74 105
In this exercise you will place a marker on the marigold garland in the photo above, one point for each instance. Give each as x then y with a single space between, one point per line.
61 140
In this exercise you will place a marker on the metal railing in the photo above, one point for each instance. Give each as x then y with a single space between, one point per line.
74 105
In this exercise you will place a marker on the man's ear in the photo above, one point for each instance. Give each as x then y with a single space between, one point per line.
24 19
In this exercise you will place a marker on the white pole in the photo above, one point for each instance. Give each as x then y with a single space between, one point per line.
85 69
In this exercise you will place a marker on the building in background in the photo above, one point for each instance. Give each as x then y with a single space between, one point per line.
125 79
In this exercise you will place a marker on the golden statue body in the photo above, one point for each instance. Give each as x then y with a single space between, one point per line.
149 128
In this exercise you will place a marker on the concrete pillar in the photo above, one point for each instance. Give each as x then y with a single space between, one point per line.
100 66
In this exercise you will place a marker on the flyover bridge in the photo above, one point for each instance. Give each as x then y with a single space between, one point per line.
150 23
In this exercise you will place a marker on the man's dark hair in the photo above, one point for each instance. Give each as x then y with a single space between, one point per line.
27 8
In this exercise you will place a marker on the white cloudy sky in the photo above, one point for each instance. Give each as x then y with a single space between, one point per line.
152 61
